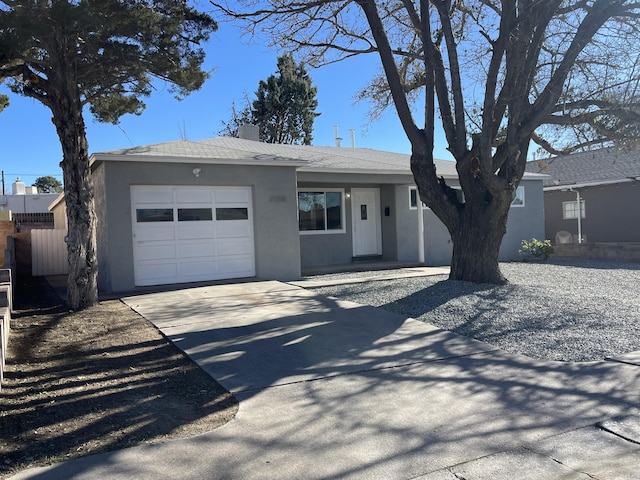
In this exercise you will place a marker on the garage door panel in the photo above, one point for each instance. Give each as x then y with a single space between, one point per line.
156 252
195 195
187 234
226 247
148 274
155 234
236 265
233 195
194 232
152 195
233 229
188 269
197 250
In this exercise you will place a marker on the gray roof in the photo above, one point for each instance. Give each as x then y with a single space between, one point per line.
596 167
307 158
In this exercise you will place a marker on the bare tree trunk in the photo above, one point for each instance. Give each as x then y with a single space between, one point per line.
82 287
476 249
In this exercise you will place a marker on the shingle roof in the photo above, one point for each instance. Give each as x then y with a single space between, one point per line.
606 165
307 158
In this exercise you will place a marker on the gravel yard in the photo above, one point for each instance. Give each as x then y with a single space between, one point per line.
562 310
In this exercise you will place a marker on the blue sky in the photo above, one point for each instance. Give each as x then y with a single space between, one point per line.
30 147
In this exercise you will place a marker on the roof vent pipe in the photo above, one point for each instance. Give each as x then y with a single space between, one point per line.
352 133
338 139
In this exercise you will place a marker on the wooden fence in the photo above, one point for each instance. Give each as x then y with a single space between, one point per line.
48 253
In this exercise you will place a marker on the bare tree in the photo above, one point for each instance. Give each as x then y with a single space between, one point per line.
497 75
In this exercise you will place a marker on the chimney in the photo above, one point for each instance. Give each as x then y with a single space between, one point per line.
249 132
18 187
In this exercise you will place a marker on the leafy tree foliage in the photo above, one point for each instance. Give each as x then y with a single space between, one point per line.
496 74
284 108
48 184
103 54
4 102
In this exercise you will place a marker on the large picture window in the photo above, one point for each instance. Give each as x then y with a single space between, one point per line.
320 211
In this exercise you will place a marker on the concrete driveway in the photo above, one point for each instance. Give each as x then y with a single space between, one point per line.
332 390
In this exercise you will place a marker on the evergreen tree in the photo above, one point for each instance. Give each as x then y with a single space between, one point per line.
48 184
284 107
104 54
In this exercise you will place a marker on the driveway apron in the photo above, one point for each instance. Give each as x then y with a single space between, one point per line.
331 389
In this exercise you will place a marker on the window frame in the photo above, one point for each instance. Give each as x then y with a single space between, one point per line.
583 209
413 188
519 205
324 190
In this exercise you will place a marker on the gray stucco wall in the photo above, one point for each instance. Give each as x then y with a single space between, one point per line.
337 248
611 213
102 237
277 248
523 223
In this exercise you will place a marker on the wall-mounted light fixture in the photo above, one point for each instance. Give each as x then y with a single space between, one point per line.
347 194
196 172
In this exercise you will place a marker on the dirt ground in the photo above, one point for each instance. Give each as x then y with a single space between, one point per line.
80 383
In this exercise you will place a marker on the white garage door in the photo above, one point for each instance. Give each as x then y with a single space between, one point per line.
189 234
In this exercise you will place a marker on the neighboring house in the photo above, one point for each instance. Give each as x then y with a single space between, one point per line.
602 185
26 199
225 207
26 207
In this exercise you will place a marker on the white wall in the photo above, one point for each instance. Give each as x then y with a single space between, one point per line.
27 203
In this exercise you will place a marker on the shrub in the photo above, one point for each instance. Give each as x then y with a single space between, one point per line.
535 248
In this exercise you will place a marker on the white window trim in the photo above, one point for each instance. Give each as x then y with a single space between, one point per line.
519 205
583 209
342 211
415 207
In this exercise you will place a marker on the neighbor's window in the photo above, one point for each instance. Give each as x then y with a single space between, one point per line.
570 210
320 211
518 201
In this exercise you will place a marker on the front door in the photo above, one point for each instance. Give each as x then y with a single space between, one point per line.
365 212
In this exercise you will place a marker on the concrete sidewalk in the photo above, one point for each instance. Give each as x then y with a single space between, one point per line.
331 389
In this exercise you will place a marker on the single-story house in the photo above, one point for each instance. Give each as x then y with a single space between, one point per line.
603 185
188 211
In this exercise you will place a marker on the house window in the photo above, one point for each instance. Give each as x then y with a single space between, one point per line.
413 198
321 211
570 210
518 201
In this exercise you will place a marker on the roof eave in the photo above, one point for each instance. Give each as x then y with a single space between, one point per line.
567 186
273 162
